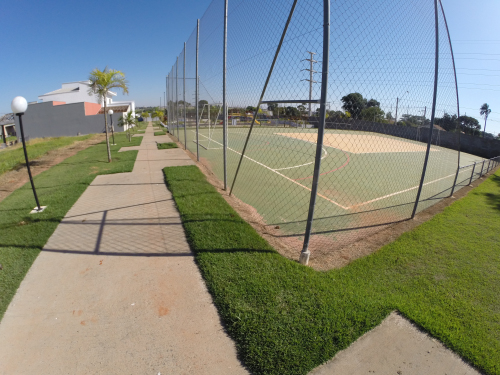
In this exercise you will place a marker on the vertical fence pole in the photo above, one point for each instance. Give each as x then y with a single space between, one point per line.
454 181
177 96
276 54
224 105
166 106
197 96
472 174
482 167
304 255
456 90
431 127
168 102
184 98
488 168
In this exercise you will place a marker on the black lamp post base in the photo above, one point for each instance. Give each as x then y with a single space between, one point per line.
36 210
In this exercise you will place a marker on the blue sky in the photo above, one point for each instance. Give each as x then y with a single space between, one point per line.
47 43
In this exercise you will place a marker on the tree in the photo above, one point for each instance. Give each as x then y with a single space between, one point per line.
129 121
144 115
447 122
158 114
101 82
292 112
202 103
388 116
372 103
485 112
354 103
469 125
373 113
251 109
301 108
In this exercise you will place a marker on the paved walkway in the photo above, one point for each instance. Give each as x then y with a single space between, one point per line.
396 347
116 289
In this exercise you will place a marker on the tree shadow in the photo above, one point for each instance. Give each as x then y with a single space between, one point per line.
494 199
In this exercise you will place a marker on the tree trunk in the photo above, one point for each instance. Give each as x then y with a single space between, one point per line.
106 128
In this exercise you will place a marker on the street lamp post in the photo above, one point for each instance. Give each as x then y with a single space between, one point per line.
112 129
397 103
19 106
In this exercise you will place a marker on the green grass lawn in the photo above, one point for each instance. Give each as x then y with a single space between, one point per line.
160 133
10 159
287 319
163 146
22 235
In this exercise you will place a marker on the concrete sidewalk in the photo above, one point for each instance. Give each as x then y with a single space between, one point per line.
115 289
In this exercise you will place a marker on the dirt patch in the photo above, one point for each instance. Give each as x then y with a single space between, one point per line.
14 179
327 252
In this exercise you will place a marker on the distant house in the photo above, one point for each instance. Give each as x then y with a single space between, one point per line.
78 92
71 111
8 126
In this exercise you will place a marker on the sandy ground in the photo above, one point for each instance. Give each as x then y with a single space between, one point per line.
362 143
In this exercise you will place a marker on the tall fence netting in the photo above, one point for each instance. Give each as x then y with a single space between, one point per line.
378 113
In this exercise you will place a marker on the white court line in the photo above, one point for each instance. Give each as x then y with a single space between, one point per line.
282 175
402 191
330 200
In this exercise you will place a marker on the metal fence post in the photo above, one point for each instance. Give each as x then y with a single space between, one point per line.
455 181
456 90
472 174
305 254
197 96
276 54
224 106
177 96
168 102
431 127
184 98
488 168
482 167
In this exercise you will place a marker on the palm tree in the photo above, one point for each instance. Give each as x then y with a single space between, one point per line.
485 111
128 120
101 82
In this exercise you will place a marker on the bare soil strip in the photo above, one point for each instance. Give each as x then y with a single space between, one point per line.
16 178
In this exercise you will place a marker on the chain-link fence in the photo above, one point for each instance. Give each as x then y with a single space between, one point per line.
331 120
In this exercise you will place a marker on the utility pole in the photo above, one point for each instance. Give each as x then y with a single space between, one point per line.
311 77
397 103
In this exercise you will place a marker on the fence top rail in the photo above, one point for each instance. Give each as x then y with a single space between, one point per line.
470 165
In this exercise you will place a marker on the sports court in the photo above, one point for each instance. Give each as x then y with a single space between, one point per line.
367 179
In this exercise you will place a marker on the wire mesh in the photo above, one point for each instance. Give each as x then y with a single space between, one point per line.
379 106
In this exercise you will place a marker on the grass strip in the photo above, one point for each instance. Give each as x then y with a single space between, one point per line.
160 133
22 235
164 146
10 159
287 319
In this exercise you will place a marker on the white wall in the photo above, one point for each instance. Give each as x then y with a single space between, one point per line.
73 96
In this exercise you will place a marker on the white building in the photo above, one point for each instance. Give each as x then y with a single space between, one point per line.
78 92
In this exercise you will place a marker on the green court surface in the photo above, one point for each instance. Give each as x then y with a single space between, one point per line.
367 179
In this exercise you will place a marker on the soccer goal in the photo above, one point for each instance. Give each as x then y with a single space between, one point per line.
210 134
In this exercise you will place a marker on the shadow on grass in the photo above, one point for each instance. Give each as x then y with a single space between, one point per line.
494 199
